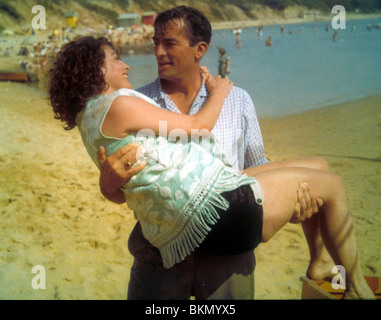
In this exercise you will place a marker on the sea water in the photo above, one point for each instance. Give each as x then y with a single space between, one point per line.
302 70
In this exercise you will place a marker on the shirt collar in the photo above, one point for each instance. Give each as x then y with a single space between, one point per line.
161 97
203 93
159 93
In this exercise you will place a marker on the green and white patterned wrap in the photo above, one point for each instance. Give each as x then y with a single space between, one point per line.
175 195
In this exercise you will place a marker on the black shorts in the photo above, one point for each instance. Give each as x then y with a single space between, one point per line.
239 228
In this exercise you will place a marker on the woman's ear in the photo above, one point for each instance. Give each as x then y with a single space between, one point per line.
104 72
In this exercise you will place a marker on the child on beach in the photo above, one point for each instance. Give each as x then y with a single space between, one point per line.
188 197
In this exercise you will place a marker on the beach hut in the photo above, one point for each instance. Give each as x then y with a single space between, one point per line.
71 18
149 17
126 20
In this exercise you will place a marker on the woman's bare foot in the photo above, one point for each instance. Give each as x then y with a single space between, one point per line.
320 269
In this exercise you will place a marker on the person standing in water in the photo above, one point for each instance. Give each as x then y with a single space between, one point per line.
223 63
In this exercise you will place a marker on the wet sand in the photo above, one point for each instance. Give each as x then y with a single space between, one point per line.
53 215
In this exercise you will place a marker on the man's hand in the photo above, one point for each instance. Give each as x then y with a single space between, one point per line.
306 207
117 170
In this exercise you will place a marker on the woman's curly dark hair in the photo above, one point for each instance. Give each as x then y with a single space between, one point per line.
76 77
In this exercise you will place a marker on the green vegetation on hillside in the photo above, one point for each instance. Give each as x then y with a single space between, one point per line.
247 5
15 14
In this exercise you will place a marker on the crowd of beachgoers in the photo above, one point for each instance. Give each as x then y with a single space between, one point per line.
34 52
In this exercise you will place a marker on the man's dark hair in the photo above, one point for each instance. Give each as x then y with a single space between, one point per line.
198 27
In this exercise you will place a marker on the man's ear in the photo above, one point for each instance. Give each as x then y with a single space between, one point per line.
201 49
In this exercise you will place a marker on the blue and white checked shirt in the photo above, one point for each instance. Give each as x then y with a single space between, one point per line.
237 128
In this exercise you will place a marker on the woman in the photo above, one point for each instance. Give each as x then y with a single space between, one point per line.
205 200
223 63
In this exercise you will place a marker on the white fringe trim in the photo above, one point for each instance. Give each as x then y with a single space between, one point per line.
191 227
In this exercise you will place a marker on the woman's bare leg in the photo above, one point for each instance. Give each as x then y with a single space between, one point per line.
321 263
315 163
335 223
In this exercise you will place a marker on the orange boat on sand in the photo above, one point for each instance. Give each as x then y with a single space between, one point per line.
14 76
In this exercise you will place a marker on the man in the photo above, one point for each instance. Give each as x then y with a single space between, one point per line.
181 39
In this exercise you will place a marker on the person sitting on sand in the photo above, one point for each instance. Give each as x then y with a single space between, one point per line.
89 87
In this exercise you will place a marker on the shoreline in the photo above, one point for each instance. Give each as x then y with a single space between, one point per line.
225 25
58 218
319 109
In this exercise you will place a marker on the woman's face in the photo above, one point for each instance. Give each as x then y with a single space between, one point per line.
115 71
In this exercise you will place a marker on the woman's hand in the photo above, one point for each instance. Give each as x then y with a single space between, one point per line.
205 72
216 85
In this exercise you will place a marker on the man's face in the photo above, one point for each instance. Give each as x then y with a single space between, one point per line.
175 57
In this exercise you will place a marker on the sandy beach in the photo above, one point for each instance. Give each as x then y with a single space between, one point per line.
53 215
348 136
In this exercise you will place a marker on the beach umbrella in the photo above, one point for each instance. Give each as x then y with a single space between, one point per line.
31 31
